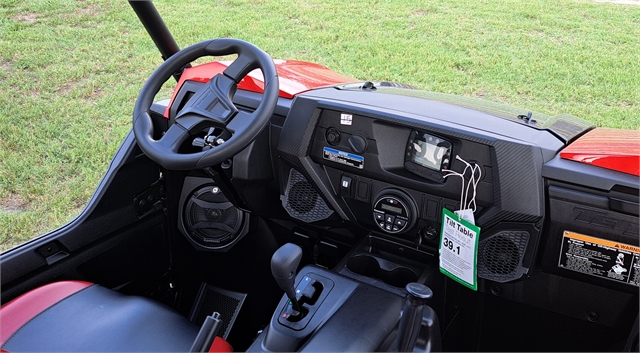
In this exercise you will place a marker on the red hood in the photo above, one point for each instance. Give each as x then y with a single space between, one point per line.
613 149
295 77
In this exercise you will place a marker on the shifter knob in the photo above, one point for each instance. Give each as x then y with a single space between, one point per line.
284 264
419 292
411 320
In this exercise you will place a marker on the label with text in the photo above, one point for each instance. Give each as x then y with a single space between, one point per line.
459 249
600 258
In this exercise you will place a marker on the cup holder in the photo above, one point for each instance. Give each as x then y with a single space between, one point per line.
388 272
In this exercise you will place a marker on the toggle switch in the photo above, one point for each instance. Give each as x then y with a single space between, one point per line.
345 186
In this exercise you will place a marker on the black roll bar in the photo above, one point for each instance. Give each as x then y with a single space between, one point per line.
158 31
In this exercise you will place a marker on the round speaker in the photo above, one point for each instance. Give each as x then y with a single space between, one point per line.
210 219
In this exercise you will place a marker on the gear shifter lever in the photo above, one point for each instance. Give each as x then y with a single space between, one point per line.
284 264
411 319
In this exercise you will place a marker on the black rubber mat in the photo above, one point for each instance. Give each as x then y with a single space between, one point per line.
211 299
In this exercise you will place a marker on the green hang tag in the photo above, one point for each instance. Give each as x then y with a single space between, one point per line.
458 249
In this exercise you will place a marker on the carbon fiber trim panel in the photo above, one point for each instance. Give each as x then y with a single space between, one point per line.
298 129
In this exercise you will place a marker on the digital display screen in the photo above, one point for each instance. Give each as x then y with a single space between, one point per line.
428 151
396 210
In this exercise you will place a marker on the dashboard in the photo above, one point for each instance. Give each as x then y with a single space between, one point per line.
382 159
356 153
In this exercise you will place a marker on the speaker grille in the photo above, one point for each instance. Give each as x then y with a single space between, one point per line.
226 303
302 201
500 256
302 197
210 219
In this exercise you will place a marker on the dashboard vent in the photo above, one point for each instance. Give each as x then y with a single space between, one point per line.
500 256
302 201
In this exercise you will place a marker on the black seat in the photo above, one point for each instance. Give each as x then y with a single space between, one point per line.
75 316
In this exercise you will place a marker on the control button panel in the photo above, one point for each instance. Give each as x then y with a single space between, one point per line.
392 213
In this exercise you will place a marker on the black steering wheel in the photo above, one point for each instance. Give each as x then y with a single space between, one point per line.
211 106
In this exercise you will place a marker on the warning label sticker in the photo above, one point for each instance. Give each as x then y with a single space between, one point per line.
601 258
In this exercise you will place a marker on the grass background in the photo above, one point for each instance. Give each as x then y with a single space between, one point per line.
70 71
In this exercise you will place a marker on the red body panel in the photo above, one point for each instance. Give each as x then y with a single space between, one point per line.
295 77
613 149
19 311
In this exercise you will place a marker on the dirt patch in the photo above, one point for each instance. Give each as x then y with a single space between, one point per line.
65 89
418 13
90 10
93 95
5 65
25 18
13 203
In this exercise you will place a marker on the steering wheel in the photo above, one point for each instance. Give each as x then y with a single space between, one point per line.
211 106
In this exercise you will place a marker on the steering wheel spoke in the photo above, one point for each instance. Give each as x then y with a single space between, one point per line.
173 138
240 67
195 123
240 123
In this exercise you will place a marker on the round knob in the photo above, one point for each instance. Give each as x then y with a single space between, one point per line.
419 291
358 144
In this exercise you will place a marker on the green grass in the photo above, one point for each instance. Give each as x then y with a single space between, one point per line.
70 71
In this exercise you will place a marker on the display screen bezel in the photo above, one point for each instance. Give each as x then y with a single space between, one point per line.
427 140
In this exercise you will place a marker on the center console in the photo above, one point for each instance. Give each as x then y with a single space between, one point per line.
341 310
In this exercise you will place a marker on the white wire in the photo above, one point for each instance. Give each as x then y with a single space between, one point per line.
475 182
464 192
461 175
472 181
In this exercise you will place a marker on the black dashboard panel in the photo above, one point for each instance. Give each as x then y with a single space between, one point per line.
351 145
